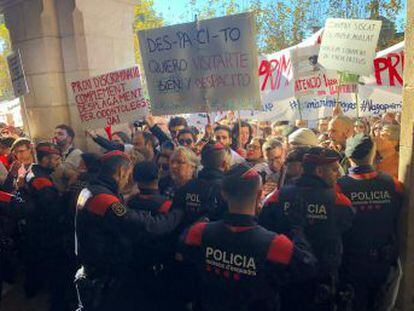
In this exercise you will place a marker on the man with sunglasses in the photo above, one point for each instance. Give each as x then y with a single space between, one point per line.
187 138
324 213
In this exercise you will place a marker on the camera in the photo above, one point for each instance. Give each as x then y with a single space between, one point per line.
139 123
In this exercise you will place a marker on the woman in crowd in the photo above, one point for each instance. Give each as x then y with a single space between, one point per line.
183 167
255 155
242 135
387 147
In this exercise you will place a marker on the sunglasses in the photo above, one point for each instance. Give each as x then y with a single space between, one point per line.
185 142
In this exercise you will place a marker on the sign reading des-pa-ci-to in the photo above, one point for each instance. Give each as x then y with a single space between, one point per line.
202 66
111 98
17 76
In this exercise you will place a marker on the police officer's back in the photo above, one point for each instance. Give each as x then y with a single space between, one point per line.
325 214
239 262
371 246
152 261
44 212
107 231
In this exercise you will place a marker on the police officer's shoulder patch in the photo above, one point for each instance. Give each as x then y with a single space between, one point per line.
118 208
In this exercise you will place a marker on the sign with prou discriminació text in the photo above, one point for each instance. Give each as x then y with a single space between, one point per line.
109 99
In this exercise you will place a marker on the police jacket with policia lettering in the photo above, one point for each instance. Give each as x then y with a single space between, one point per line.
324 213
241 264
377 198
43 209
107 230
201 197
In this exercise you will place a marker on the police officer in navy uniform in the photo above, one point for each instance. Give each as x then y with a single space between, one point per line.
45 260
371 246
146 174
325 214
152 263
200 197
107 232
240 263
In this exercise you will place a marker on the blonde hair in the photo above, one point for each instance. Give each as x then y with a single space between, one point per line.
394 131
191 157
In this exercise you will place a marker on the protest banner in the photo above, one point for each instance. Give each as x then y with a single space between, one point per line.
203 66
310 78
110 99
349 45
380 92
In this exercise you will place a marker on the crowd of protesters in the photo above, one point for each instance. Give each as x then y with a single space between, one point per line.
241 216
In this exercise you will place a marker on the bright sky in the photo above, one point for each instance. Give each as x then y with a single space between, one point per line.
172 10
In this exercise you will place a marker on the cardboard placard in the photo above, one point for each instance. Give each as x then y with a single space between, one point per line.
349 45
203 66
109 99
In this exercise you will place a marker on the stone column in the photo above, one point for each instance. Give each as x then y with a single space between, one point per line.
406 297
96 37
66 40
34 30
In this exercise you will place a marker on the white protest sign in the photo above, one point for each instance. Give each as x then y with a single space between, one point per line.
203 66
380 93
349 45
18 78
110 99
310 78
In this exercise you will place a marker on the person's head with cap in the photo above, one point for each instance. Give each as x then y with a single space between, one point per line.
360 150
294 161
117 166
214 156
48 155
323 163
241 189
146 175
302 137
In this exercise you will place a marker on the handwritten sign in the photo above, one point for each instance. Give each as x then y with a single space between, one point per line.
202 66
110 99
349 45
379 93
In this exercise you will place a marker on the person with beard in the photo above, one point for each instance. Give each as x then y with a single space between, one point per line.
145 145
64 136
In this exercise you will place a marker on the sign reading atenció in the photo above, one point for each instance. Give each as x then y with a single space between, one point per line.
202 66
349 45
109 99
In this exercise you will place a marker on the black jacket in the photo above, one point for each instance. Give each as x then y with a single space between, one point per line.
201 197
377 198
324 213
241 264
107 230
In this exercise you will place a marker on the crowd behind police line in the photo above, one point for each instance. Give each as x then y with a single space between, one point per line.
245 216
